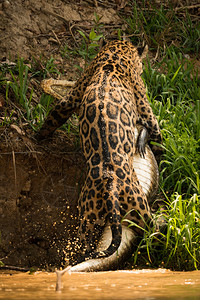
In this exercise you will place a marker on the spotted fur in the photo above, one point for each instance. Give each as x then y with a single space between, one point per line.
110 99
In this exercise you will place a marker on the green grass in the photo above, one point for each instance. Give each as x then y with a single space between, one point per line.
175 99
43 68
177 245
17 88
162 26
174 93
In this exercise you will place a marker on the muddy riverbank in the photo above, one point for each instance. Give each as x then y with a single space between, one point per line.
39 188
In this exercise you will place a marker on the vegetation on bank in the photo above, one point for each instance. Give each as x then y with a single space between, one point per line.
173 84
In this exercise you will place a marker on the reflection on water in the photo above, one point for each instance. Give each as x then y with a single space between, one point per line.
136 284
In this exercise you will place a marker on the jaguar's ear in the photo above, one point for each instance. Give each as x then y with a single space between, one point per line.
102 43
142 51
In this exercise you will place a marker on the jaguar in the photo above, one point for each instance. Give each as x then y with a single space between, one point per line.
110 100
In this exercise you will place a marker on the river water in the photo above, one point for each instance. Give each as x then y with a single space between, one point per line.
136 284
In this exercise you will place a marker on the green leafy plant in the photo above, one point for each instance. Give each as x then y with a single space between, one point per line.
89 46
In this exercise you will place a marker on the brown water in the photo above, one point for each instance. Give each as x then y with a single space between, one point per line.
143 284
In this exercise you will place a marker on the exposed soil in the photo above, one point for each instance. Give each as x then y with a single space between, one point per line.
39 188
30 28
39 184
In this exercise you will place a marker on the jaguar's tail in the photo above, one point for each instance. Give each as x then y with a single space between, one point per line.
112 218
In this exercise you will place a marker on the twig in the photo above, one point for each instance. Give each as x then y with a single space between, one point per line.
70 29
22 152
187 7
57 39
176 8
101 3
42 35
113 25
157 52
14 268
59 275
14 166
